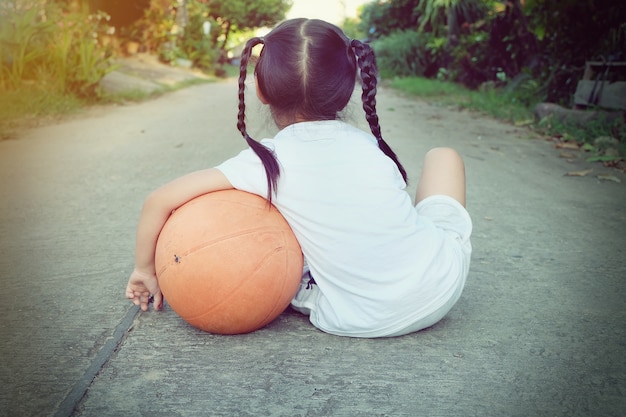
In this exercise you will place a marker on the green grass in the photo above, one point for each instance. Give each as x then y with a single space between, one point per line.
428 88
138 95
508 107
30 105
27 106
596 137
490 101
232 71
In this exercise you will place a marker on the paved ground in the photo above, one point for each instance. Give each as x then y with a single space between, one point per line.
539 330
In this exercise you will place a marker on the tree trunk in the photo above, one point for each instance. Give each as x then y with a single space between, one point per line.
453 27
182 17
226 34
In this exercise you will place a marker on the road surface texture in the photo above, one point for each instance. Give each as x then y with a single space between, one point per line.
539 330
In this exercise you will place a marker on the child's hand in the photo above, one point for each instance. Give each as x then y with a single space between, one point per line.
141 286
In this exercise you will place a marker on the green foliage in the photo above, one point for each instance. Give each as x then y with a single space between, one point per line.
427 88
595 136
155 31
24 107
572 25
379 19
138 94
501 41
158 32
123 13
489 101
525 89
53 48
193 43
438 17
352 28
604 139
250 14
405 53
23 37
571 32
450 37
244 15
80 60
159 29
471 59
442 17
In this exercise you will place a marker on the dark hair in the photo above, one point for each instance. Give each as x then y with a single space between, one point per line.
307 71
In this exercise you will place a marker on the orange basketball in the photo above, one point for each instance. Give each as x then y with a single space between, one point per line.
227 262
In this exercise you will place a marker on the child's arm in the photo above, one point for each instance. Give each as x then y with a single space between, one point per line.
156 210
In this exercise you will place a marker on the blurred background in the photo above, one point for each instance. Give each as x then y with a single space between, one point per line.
515 53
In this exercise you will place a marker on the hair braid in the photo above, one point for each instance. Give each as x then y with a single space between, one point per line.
367 66
272 170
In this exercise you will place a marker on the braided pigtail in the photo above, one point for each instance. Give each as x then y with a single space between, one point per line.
272 170
367 66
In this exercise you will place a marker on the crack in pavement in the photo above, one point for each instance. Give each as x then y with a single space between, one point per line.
72 401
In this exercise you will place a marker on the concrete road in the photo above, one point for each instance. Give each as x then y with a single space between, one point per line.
539 330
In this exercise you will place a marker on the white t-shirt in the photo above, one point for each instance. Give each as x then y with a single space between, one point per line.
378 264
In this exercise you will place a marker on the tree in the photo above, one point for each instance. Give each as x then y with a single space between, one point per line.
445 17
439 17
581 29
244 15
570 32
123 12
380 19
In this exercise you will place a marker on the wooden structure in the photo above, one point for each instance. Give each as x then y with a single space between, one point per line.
603 85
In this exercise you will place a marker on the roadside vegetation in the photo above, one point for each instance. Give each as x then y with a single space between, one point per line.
496 57
601 140
51 60
54 53
505 58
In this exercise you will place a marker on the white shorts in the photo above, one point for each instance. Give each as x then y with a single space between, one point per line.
449 216
453 219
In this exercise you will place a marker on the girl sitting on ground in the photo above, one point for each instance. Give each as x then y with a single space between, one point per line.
375 264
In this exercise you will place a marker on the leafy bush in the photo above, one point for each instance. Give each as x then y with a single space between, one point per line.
155 31
471 60
490 101
570 33
351 27
122 12
408 53
43 44
158 32
23 40
471 42
197 46
379 19
525 90
80 58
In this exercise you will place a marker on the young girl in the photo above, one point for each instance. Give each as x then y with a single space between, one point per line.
375 265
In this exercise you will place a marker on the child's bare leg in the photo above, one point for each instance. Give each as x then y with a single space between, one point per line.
443 172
